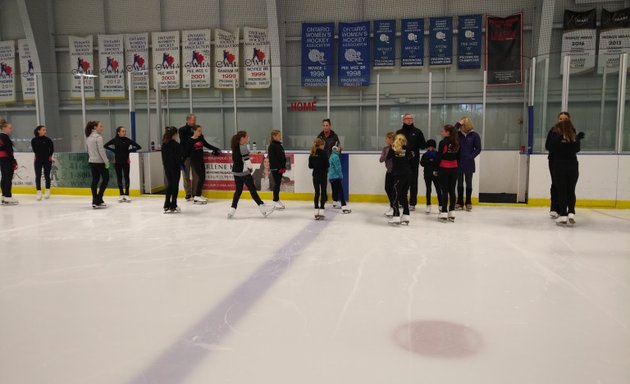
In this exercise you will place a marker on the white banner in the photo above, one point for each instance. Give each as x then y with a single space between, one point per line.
137 59
81 62
166 58
7 71
196 58
226 56
111 63
257 58
27 70
612 43
580 45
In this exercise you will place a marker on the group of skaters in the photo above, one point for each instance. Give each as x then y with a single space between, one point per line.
448 166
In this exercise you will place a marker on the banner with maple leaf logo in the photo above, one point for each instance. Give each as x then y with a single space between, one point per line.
226 59
111 63
166 59
7 71
257 58
27 70
137 59
81 62
196 58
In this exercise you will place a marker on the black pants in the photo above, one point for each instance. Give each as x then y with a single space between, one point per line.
401 187
565 177
249 181
448 179
461 178
389 188
46 166
438 191
6 182
413 184
552 191
337 191
98 172
199 169
277 180
320 184
122 173
172 187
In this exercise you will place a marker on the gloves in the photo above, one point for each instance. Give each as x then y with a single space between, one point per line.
580 136
282 171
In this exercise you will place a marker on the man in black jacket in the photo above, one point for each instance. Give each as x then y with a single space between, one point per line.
415 142
185 133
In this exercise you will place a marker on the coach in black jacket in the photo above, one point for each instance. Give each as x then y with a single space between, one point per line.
415 142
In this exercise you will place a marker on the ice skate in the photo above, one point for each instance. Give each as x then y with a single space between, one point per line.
176 210
553 215
189 198
404 219
99 206
278 204
451 216
395 220
266 209
9 201
459 207
345 209
443 217
571 219
200 200
427 209
38 195
336 205
47 194
231 213
167 210
121 199
468 207
127 199
562 221
412 207
390 212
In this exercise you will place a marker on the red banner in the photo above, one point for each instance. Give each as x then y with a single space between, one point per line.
219 173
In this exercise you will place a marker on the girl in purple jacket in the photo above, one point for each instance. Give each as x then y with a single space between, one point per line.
469 148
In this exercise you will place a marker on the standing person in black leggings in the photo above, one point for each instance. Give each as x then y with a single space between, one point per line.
43 148
173 161
8 164
194 152
554 208
121 145
447 159
402 169
318 162
277 164
98 161
242 170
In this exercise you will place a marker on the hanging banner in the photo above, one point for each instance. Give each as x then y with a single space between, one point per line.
412 43
469 42
441 41
27 70
219 175
196 58
614 39
137 59
578 40
257 58
226 57
81 63
317 53
111 62
354 54
504 50
166 59
384 43
7 71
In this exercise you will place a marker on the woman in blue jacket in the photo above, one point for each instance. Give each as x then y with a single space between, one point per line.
469 149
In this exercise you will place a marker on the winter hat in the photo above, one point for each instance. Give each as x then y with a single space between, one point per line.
431 143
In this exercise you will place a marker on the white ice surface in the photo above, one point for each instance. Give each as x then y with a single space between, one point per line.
501 296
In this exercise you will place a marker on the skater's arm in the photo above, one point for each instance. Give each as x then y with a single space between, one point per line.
209 146
134 146
477 145
111 145
101 150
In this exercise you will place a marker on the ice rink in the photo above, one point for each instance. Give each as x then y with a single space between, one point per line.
130 295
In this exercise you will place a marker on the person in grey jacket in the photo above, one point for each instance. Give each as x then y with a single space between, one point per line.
98 161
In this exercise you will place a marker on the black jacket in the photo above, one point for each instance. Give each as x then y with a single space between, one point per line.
445 152
430 163
43 148
194 148
121 146
562 150
172 158
401 162
185 133
6 148
277 158
329 141
319 164
415 141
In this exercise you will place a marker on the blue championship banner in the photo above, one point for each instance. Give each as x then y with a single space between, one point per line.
384 43
354 54
317 53
441 41
469 42
412 43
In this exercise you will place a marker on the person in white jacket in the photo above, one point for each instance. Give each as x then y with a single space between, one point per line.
99 164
